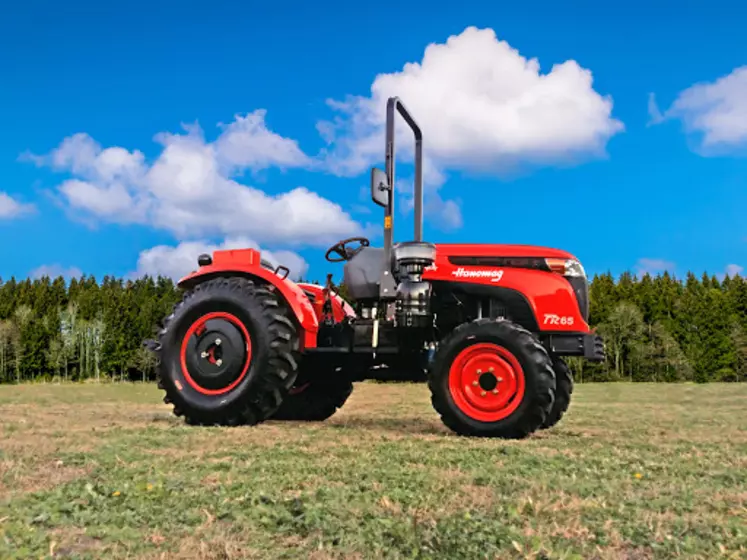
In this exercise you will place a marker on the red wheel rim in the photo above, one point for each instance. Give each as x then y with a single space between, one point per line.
197 329
486 382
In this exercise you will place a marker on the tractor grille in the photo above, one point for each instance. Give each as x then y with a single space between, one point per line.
581 288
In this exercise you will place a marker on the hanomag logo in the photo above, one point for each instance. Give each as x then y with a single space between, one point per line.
494 274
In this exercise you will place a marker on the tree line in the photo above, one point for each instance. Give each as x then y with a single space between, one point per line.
656 328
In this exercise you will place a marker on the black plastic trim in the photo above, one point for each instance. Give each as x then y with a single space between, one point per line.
580 287
516 303
590 346
532 263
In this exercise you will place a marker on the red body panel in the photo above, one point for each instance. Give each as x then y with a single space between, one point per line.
549 295
247 261
340 308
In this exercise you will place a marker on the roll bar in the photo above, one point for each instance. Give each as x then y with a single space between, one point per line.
392 104
382 190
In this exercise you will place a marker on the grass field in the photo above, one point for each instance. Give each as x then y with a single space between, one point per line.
634 471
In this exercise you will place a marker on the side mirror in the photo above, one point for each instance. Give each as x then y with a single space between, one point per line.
381 190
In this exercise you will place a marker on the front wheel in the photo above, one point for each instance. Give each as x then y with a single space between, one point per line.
492 379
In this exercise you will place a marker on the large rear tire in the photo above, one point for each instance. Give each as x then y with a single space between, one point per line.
227 354
315 398
492 378
563 392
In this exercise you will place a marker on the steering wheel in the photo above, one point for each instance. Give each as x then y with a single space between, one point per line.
344 252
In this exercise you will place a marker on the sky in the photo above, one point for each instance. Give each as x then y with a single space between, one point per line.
136 136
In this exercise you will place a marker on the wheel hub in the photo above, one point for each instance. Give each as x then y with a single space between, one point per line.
216 352
486 382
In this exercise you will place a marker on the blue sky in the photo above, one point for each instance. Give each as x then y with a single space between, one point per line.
583 166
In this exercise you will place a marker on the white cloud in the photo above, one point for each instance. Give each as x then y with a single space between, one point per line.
188 189
247 143
55 271
734 270
482 106
447 212
111 201
715 111
654 113
176 262
85 157
654 266
11 208
443 214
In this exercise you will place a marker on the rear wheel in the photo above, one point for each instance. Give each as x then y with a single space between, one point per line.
315 398
227 354
563 392
492 379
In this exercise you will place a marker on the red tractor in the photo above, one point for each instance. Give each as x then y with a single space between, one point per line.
486 325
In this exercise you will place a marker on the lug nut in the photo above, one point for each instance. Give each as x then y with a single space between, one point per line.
217 341
479 371
218 362
491 370
483 393
474 383
204 355
500 379
495 391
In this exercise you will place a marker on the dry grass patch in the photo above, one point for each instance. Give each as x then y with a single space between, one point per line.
22 477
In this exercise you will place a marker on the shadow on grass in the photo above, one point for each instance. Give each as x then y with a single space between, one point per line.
408 425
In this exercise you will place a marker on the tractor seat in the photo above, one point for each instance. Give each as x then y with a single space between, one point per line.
362 273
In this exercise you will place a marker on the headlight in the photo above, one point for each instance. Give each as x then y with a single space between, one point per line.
566 267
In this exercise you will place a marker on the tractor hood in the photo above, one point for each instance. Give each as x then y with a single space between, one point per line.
445 250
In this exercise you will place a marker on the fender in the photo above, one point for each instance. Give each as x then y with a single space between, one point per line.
246 262
549 295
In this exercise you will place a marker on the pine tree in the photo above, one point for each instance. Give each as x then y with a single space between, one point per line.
603 298
623 333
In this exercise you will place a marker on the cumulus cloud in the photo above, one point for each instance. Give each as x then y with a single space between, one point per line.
654 266
178 261
448 212
11 208
483 107
714 111
247 143
443 214
189 189
56 270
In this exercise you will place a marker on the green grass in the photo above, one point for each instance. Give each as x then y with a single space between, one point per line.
633 471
